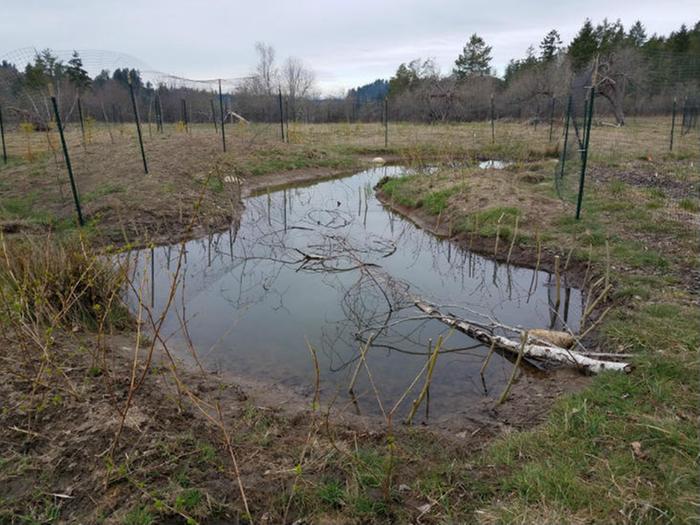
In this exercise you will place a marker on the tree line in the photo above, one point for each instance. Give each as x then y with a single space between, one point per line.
633 72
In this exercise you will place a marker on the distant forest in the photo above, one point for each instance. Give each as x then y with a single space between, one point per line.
634 73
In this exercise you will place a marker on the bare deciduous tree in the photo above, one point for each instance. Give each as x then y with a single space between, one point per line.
297 83
265 78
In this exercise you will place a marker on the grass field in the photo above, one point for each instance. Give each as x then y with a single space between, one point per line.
622 450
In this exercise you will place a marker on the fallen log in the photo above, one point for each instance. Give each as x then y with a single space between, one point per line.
537 350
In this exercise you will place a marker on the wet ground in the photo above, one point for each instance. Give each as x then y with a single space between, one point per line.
327 265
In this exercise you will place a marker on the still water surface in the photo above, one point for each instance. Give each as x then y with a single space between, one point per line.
328 264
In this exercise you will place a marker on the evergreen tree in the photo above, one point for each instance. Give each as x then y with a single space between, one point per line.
77 74
122 76
550 45
404 78
637 35
102 77
474 59
46 68
584 46
409 75
609 36
679 41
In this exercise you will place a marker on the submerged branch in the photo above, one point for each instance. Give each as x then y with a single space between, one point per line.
538 350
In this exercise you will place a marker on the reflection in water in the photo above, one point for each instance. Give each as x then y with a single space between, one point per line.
329 264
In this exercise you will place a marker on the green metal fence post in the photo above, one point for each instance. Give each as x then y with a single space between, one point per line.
673 124
223 117
551 118
213 116
159 114
584 152
73 187
2 132
138 125
286 116
566 136
183 110
493 125
281 113
80 116
386 123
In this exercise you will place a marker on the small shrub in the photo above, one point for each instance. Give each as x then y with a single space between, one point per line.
60 283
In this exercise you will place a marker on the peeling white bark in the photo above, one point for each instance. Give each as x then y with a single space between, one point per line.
537 350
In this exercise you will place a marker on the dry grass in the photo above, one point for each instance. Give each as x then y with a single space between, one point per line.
98 426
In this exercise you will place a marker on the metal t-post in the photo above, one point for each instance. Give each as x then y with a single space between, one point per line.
493 125
386 123
80 116
73 187
2 132
223 117
281 114
566 136
584 153
138 125
673 124
551 119
213 116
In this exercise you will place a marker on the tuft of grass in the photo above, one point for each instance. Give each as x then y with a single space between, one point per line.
689 204
401 190
188 500
331 493
436 202
139 516
637 255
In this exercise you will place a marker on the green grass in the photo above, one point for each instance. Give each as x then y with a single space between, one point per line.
107 189
689 204
139 516
188 500
279 159
625 449
638 255
436 202
331 493
401 190
583 460
24 208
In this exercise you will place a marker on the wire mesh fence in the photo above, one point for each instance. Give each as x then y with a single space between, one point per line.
106 100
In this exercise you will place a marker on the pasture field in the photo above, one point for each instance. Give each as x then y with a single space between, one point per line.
101 424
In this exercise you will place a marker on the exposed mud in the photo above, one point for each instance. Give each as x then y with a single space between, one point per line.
649 175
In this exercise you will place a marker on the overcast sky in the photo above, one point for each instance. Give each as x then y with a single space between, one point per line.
347 43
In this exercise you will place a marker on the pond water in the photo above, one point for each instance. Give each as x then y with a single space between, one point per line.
327 263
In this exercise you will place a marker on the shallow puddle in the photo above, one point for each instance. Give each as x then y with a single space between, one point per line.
328 264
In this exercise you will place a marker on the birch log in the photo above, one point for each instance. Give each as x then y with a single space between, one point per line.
538 350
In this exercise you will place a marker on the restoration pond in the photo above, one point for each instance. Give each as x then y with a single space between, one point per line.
327 265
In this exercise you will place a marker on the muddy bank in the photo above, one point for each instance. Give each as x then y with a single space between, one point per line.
59 456
523 256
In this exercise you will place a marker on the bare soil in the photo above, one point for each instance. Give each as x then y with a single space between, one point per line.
57 445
